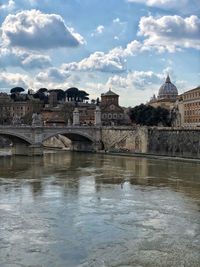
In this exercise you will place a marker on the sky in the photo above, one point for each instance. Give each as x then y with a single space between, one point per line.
128 46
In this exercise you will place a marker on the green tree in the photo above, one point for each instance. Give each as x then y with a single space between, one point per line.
42 95
150 116
72 94
17 90
82 95
15 93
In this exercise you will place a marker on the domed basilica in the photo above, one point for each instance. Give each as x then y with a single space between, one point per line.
168 90
167 95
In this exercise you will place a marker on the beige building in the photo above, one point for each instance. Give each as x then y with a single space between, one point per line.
11 110
189 105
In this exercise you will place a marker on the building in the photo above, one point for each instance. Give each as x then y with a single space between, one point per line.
189 104
111 112
53 116
167 96
87 113
20 110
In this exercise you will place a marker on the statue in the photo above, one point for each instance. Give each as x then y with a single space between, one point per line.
176 117
97 116
36 119
69 122
16 120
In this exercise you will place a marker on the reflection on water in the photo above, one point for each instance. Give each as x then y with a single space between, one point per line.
77 209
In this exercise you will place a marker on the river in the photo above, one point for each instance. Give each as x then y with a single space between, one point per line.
77 209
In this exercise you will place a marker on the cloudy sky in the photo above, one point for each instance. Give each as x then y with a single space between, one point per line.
126 45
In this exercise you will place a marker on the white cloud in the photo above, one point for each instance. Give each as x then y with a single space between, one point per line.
170 33
160 3
23 59
181 5
113 61
99 61
8 6
138 80
10 80
99 30
53 75
116 29
33 29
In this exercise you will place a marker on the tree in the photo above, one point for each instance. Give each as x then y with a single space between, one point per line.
16 90
42 90
15 94
82 95
150 116
42 94
72 94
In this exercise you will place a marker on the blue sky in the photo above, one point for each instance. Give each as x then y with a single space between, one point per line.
126 45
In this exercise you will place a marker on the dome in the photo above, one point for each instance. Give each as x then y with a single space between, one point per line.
168 90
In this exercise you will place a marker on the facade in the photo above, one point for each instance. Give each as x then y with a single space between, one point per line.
63 116
111 112
5 108
87 113
15 111
53 117
190 105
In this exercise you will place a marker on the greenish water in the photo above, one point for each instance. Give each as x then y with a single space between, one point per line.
78 209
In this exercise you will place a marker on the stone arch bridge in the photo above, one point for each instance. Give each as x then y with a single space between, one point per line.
28 140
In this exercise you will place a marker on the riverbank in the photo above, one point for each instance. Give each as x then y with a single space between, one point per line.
151 156
7 152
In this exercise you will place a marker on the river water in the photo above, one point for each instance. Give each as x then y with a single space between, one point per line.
77 209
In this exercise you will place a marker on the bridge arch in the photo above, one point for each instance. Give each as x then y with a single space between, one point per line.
15 137
81 139
73 135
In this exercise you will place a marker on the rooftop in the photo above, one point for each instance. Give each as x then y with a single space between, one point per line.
109 93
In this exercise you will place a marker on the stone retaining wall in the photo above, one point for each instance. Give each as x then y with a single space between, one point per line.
132 139
174 142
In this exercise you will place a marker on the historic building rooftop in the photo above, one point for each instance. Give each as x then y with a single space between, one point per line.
110 93
168 90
